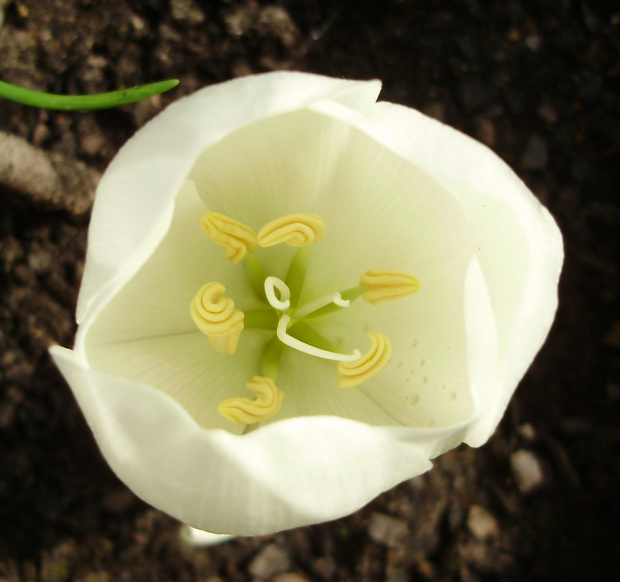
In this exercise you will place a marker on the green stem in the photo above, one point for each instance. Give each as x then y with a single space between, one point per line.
260 319
350 294
256 275
297 274
73 102
271 357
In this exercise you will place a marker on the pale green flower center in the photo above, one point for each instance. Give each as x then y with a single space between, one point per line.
216 316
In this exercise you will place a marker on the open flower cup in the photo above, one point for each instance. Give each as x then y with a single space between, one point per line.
295 296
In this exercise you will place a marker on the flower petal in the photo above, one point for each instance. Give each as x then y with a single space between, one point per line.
145 333
518 244
135 197
325 467
427 380
381 211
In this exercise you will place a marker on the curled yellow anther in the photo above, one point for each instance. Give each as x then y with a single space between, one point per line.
216 317
296 230
385 285
245 411
351 374
234 236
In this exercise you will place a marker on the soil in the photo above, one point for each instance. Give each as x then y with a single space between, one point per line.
537 80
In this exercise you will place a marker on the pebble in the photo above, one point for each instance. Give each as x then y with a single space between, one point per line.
272 559
527 431
387 530
186 10
481 523
527 470
45 180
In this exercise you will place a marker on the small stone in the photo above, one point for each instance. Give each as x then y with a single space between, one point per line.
527 470
272 559
41 261
186 10
40 133
387 530
535 155
45 180
138 23
481 523
526 430
533 41
276 21
92 144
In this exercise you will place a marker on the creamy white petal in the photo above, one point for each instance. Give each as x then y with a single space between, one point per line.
517 243
426 383
145 332
135 197
156 300
311 389
287 474
381 211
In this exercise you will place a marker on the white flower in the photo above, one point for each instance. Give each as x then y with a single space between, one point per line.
373 188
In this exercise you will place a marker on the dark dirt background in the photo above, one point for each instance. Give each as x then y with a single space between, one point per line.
537 80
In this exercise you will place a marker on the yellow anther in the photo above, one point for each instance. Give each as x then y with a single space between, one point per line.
216 317
245 411
296 230
234 236
352 374
385 285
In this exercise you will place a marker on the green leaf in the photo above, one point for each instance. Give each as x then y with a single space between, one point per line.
76 102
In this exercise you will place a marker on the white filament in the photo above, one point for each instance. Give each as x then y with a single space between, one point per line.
307 348
283 303
321 302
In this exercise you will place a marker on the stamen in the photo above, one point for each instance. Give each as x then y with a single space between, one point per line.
292 342
296 230
284 302
216 317
351 374
234 236
311 307
245 411
385 285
